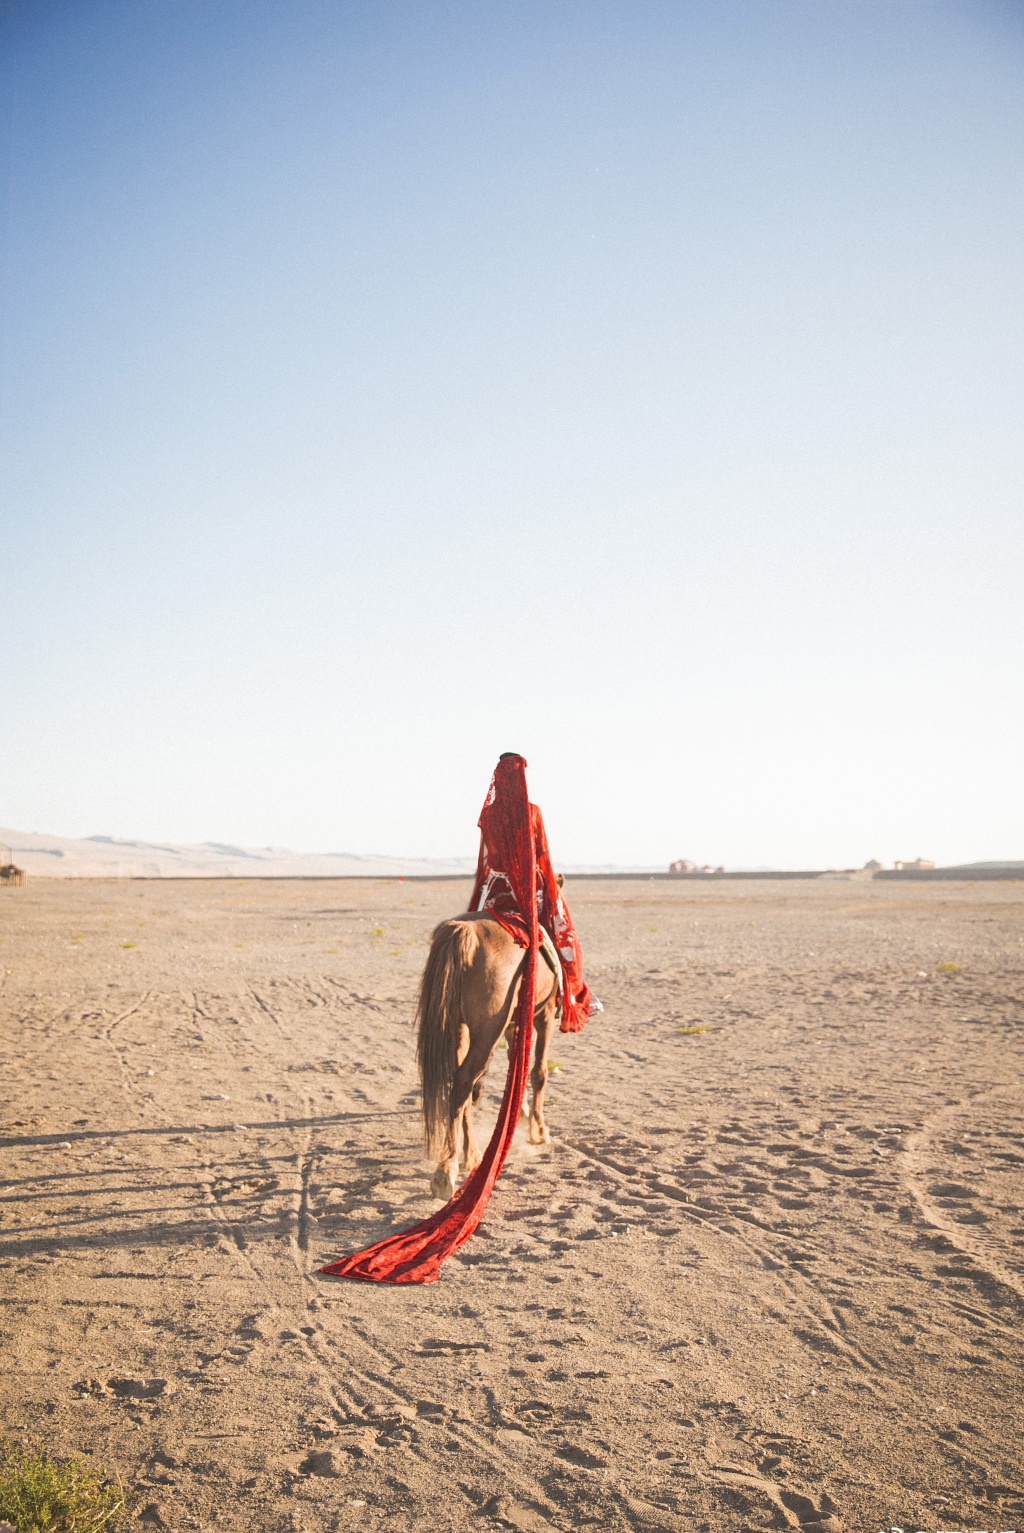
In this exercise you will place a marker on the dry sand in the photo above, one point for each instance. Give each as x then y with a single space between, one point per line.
769 1274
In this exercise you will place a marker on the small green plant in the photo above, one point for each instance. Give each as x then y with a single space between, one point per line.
949 968
129 944
691 1032
40 1494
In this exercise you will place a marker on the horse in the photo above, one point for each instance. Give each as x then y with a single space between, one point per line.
468 994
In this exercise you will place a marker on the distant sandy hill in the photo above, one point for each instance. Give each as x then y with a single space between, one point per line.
110 857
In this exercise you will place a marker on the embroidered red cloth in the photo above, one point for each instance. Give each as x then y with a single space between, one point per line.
493 892
415 1255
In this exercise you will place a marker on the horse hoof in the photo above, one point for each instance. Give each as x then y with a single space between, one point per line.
539 1135
442 1184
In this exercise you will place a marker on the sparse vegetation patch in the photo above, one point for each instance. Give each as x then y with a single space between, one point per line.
40 1494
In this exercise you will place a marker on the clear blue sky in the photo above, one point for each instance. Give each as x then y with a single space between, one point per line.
634 385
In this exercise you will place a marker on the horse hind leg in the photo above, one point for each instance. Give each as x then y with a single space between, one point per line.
544 1021
466 1090
442 1183
472 1153
442 1042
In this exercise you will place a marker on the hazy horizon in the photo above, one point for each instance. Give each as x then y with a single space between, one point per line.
16 838
638 388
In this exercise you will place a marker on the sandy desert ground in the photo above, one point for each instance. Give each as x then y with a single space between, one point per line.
769 1274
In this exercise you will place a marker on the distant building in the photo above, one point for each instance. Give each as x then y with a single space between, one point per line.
9 874
684 865
918 865
872 866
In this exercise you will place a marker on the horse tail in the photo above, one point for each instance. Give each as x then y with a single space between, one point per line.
440 1022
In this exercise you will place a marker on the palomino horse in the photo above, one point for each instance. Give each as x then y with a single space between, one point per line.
467 995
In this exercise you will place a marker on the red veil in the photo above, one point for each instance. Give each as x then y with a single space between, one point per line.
516 884
493 892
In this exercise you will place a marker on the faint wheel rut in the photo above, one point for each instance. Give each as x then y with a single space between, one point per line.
814 1304
108 1038
914 1172
347 1397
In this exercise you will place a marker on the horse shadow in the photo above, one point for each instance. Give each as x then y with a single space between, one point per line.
252 1195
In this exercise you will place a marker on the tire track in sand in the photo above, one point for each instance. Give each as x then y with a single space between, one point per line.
914 1172
815 1305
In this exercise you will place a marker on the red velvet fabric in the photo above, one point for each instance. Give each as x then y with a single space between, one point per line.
415 1255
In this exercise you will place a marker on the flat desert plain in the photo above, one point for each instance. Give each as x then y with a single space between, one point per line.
770 1273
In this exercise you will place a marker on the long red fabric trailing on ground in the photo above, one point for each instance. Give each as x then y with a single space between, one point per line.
415 1255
